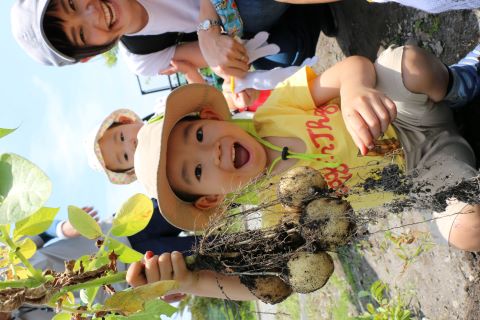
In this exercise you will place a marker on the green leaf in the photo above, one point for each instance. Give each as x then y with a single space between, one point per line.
371 308
131 301
363 293
153 310
24 188
84 223
27 247
126 254
62 316
4 132
133 216
35 224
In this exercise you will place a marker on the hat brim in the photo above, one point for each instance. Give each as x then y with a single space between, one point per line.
180 103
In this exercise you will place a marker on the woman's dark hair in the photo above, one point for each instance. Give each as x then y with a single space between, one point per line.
53 28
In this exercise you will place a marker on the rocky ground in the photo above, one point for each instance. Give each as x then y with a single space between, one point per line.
433 282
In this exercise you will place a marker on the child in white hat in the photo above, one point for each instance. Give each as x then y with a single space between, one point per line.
111 146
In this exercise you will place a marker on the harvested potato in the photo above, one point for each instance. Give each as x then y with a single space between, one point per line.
269 289
308 272
329 221
299 185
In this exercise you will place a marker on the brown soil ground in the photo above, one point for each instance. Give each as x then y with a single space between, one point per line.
434 282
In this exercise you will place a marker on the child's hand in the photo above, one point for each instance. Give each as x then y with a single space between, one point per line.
165 267
189 70
367 114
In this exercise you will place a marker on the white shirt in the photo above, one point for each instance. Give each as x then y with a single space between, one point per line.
163 16
436 6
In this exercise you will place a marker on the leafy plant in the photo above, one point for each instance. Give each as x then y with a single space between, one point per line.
24 189
385 309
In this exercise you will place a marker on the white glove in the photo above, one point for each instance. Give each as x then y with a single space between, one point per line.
268 79
258 47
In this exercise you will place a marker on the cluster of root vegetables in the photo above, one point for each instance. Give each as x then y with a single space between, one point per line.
291 256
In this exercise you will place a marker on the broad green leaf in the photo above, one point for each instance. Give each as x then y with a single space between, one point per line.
131 301
92 294
133 216
4 132
84 260
126 254
370 308
35 224
24 188
153 310
27 247
84 223
363 293
62 316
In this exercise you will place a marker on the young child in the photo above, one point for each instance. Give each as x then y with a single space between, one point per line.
111 147
191 164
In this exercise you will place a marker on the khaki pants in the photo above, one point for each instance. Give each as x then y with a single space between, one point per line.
432 145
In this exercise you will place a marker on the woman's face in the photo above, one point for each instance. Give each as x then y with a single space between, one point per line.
90 23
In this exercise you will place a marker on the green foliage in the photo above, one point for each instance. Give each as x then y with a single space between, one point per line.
125 253
84 223
408 246
35 224
4 132
111 56
202 308
133 216
386 309
24 188
131 301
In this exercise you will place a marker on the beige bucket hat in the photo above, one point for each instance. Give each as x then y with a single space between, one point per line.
151 159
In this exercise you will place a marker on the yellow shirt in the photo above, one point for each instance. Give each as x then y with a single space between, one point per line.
291 112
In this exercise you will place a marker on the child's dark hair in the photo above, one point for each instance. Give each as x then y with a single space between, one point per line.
53 28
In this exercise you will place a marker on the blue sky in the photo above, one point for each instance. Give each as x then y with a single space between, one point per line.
55 108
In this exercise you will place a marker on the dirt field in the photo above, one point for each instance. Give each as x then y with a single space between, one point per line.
433 282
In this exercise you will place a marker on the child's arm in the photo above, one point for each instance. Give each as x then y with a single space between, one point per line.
202 283
366 111
189 70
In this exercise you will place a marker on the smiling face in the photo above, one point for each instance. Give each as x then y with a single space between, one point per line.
89 23
118 146
212 157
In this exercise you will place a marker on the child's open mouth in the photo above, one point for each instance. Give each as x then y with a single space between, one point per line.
240 155
109 13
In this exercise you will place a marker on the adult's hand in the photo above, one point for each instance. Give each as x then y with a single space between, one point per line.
225 55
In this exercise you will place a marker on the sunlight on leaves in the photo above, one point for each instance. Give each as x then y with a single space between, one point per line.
153 310
24 190
133 216
84 223
26 247
62 316
35 224
126 254
133 300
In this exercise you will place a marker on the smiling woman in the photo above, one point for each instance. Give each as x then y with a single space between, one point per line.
61 32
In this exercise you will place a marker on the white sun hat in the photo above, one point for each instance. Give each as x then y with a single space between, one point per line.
27 28
94 154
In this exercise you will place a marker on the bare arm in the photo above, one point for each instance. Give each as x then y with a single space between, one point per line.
366 111
225 55
202 283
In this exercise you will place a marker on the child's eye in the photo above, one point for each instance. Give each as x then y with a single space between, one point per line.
122 138
198 172
71 4
82 36
200 135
